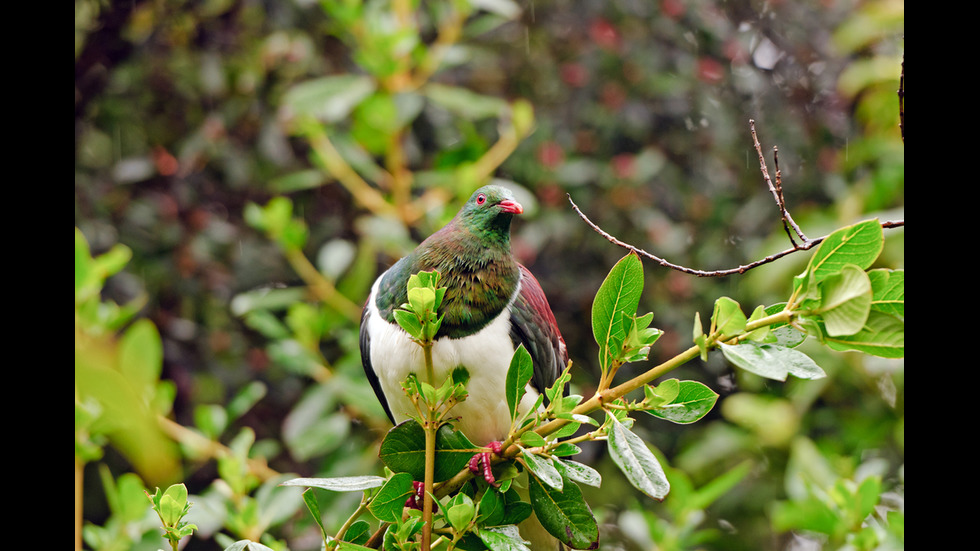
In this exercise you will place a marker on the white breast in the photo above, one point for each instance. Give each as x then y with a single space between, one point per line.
486 355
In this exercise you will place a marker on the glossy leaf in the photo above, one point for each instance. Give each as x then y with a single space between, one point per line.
339 484
403 450
636 461
692 401
564 513
617 297
772 361
388 503
520 372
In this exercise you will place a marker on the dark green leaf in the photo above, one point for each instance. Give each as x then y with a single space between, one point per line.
310 499
520 372
403 450
564 513
617 297
388 503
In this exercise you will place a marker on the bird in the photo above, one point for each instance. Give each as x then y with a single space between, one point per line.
492 305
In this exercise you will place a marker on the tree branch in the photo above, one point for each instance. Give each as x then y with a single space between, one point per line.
789 225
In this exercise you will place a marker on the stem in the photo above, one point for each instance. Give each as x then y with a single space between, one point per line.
321 286
79 470
430 469
350 520
431 426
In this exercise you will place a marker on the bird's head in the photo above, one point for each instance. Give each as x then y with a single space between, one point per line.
490 207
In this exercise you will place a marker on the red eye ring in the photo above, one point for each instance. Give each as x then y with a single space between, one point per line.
480 199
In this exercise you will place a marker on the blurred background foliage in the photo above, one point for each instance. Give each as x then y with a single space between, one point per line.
222 256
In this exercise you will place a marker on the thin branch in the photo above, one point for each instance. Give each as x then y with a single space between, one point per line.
776 188
901 100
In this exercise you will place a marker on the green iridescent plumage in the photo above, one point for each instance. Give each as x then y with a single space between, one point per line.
472 253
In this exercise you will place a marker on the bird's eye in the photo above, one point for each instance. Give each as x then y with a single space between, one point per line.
480 199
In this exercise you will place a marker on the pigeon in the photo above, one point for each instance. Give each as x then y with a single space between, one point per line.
492 305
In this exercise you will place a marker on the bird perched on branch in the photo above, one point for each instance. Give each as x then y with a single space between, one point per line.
492 304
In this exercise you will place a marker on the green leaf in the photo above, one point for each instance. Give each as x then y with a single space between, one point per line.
339 484
358 533
883 335
579 472
772 361
387 505
617 297
460 513
845 301
311 503
699 337
728 318
330 99
491 508
692 400
543 469
141 356
564 513
518 374
888 291
502 538
464 102
858 244
170 510
636 461
403 450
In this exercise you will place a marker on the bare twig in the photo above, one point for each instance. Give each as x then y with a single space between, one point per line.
776 188
901 101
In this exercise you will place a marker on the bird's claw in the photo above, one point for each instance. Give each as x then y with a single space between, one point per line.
415 500
481 462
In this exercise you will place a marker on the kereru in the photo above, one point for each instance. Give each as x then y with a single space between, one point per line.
492 304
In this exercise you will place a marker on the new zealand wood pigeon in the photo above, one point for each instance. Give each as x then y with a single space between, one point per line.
492 304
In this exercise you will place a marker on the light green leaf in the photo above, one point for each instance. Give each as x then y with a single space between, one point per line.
728 318
543 468
858 244
579 472
692 400
330 99
141 356
636 461
772 361
845 301
882 335
888 289
464 102
339 484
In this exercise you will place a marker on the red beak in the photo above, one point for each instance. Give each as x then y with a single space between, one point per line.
510 206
